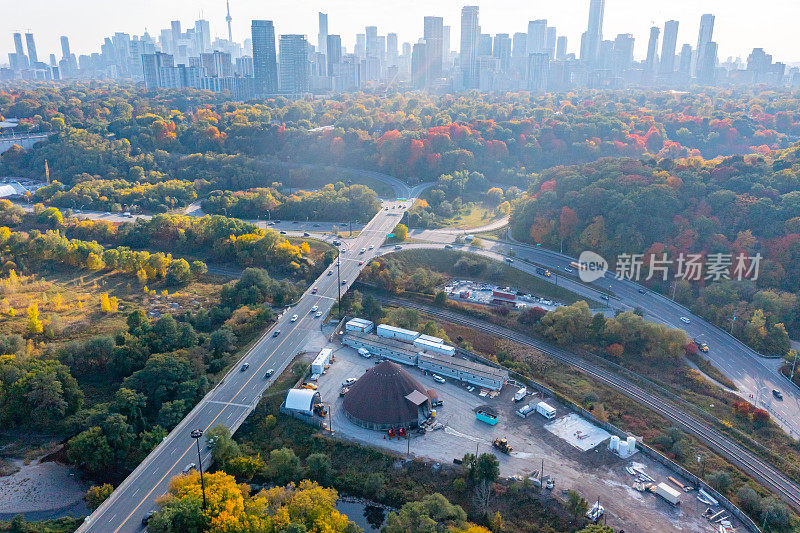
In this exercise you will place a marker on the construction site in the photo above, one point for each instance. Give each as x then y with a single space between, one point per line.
420 414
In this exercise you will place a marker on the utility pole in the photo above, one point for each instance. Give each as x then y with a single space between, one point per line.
732 321
196 434
794 364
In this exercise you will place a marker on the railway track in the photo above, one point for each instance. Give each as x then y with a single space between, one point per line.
759 469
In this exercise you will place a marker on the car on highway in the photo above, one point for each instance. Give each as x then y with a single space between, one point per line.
147 517
244 367
509 260
398 247
330 272
685 319
283 232
314 290
306 234
604 297
314 309
438 379
188 468
269 373
349 381
336 243
702 346
318 314
641 291
360 263
385 208
777 394
568 269
293 319
362 250
371 246
344 282
448 246
276 333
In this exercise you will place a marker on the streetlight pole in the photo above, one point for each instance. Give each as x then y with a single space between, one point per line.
196 434
794 364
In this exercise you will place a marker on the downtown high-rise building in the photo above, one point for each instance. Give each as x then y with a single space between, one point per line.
433 28
29 42
265 68
668 47
591 39
502 50
322 36
704 36
537 36
293 50
334 49
469 46
652 52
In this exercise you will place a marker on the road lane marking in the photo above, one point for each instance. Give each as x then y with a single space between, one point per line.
210 424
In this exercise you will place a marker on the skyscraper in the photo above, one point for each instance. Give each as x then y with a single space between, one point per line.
445 46
519 53
469 46
21 58
322 38
334 48
65 52
433 35
176 34
652 51
704 36
668 47
372 44
561 48
31 49
550 42
537 36
419 63
391 49
202 31
294 64
502 50
707 64
594 34
265 68
685 65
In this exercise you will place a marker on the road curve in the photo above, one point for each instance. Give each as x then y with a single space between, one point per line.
756 467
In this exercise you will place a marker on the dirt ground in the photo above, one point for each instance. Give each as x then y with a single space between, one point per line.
42 490
596 473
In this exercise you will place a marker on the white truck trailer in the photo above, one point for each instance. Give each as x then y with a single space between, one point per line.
546 410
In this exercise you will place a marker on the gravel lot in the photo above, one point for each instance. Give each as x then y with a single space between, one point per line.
42 490
596 473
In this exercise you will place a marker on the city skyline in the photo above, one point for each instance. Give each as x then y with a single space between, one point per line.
737 31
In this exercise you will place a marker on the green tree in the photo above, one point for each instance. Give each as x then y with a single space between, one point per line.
223 447
433 513
576 504
319 467
487 467
400 233
283 466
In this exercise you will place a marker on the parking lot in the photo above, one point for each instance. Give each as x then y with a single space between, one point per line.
596 473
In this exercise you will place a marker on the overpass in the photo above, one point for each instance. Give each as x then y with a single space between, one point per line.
24 140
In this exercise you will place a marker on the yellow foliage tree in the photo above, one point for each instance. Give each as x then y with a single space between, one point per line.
108 304
58 302
305 248
35 326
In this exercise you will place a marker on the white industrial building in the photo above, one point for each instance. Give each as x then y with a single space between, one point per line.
360 325
301 401
463 370
387 348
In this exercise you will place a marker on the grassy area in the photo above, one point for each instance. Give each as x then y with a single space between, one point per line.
311 178
474 216
710 370
495 272
18 524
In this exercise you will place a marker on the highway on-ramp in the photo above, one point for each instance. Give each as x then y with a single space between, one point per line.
232 400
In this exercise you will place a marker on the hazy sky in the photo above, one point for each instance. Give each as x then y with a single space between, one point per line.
740 24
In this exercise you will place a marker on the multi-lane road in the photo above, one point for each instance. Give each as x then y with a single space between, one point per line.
236 395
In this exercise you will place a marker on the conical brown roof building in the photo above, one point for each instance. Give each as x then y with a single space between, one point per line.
387 396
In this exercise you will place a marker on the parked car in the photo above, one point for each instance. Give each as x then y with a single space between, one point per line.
309 385
349 381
